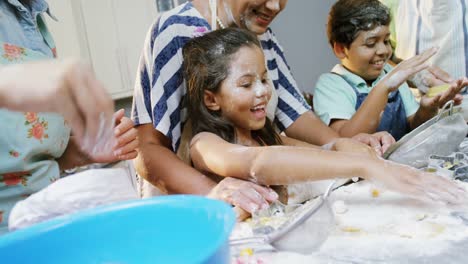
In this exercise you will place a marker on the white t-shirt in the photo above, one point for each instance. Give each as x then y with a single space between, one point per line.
422 24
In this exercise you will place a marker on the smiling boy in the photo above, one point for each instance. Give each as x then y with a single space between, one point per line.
365 94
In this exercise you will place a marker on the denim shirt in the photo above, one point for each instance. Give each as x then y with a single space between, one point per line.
30 142
19 25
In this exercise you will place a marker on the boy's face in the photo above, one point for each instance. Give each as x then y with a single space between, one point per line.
244 94
368 53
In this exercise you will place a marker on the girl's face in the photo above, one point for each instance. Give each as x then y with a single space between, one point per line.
368 53
253 15
244 94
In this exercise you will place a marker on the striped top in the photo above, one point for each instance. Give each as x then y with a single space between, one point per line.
422 24
160 87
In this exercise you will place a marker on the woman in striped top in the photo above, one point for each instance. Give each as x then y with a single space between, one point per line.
160 115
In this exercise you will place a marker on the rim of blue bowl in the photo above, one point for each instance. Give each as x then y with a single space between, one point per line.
84 215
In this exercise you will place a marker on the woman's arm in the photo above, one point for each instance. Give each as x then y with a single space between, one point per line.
67 87
277 165
158 164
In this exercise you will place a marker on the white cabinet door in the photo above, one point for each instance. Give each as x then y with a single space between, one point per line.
110 35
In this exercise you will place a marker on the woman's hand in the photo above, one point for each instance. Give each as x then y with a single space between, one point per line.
379 141
406 69
430 77
353 146
67 87
245 195
416 183
124 141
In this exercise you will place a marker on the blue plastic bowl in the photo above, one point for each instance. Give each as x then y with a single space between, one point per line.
169 229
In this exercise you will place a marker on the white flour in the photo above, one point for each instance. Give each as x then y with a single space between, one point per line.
372 225
381 224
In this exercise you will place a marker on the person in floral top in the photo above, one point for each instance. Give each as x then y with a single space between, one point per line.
36 146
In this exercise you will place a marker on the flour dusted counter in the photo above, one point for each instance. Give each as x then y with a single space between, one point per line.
373 225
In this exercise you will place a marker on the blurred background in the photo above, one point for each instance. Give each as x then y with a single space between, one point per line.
110 35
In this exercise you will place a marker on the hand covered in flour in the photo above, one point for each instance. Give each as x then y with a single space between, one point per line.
67 87
406 69
452 93
122 144
352 146
430 77
410 181
379 141
244 195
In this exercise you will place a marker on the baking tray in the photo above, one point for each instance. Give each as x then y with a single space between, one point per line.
419 129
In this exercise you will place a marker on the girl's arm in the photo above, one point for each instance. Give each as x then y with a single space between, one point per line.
367 117
277 165
338 144
272 165
159 165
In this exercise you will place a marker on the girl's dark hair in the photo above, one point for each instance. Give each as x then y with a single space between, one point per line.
348 17
206 65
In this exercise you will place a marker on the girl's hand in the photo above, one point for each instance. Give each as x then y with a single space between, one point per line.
407 68
124 141
245 195
452 93
423 185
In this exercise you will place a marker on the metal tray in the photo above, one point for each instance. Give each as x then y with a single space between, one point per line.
447 112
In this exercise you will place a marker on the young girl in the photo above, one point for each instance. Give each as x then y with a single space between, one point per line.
227 93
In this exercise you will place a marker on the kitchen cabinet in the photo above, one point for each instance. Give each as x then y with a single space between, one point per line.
109 34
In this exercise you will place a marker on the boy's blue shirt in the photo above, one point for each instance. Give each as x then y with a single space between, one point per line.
334 98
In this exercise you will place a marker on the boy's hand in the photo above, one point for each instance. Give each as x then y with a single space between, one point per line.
407 68
452 93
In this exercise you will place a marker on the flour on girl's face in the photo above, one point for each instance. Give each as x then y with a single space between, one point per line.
244 94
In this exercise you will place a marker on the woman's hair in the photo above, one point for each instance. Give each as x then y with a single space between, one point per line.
348 17
207 61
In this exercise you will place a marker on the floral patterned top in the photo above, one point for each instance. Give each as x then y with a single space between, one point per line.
29 142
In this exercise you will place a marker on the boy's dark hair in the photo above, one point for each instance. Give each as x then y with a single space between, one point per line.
348 17
206 65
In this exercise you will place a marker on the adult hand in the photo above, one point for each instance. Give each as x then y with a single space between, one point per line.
452 93
245 195
122 144
68 87
416 183
379 141
430 77
353 146
407 68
